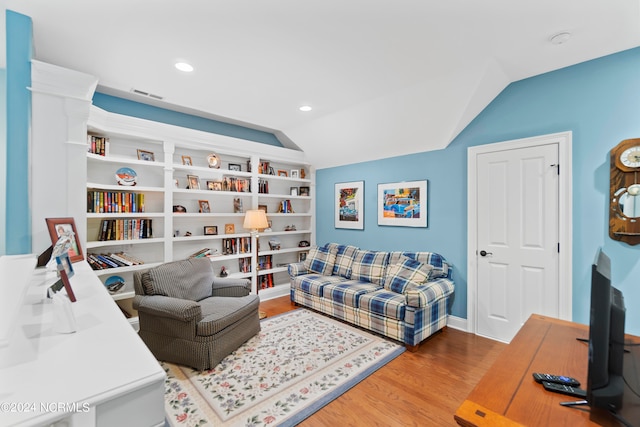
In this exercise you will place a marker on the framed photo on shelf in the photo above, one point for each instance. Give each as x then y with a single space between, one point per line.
176 183
403 204
349 205
282 172
237 205
293 191
229 229
295 173
302 256
65 270
146 155
235 167
186 160
304 191
263 208
194 182
204 206
210 230
65 227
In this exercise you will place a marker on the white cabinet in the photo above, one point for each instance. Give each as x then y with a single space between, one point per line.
190 206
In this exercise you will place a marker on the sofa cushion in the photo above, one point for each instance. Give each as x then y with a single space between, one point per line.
186 279
314 283
369 266
406 274
344 259
320 260
385 303
348 292
440 266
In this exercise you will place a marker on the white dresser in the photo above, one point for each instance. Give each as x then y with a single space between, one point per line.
100 375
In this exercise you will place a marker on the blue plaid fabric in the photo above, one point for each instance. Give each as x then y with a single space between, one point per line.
348 292
320 260
385 303
440 267
369 266
406 274
314 283
344 258
428 293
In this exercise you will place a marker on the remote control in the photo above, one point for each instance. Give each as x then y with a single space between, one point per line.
564 389
558 379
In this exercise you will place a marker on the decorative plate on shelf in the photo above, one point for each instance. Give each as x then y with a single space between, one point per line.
114 284
214 161
126 176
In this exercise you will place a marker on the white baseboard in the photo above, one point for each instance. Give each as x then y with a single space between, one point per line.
457 323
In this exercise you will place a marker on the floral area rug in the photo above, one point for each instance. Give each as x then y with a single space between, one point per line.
297 364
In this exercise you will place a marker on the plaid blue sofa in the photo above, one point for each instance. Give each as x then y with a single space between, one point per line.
402 295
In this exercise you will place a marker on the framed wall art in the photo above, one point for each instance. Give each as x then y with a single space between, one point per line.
403 204
349 205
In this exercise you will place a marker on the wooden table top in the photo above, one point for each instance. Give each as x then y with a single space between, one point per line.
509 396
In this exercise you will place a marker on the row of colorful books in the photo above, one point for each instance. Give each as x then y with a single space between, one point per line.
125 229
263 186
236 245
114 202
112 260
201 253
265 281
98 145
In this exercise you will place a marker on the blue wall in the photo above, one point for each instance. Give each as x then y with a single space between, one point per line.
3 156
143 111
597 100
18 76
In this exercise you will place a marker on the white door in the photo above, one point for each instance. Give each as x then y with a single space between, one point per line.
517 238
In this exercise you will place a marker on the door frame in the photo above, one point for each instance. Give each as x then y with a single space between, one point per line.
565 207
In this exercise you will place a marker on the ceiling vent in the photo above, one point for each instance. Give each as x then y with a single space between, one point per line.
147 94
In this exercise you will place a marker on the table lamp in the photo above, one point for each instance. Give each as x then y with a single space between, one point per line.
254 220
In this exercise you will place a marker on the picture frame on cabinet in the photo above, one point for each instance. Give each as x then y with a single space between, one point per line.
194 182
214 185
302 256
349 205
204 206
229 229
145 155
210 230
235 167
403 204
66 228
295 173
304 191
293 191
282 172
186 160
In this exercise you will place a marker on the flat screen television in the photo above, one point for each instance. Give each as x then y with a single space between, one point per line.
605 383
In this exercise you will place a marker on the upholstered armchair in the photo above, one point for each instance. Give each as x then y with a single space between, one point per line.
190 317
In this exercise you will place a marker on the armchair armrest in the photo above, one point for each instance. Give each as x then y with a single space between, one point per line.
427 293
297 269
162 306
230 287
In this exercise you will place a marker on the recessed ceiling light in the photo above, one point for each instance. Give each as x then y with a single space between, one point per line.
305 108
560 38
183 66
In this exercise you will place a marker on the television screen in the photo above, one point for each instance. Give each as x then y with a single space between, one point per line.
605 384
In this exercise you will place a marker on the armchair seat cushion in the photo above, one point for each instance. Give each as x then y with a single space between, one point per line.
221 312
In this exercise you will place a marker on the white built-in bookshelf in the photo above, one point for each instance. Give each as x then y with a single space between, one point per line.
180 205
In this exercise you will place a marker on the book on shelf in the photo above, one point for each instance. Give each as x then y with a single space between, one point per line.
236 245
285 207
114 202
125 229
201 253
263 186
103 261
244 265
98 145
265 281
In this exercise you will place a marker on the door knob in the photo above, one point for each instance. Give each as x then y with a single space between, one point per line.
485 253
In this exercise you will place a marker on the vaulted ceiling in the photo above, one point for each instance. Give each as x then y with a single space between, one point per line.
384 77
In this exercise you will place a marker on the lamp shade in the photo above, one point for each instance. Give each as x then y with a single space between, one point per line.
255 219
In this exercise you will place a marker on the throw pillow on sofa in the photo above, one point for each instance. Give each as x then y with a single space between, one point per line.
406 274
369 266
344 258
320 260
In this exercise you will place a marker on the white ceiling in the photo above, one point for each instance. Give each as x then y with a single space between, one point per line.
385 77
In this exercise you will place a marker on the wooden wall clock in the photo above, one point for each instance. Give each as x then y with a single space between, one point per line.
624 192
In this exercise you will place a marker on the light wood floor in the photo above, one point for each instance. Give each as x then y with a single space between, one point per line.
416 389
